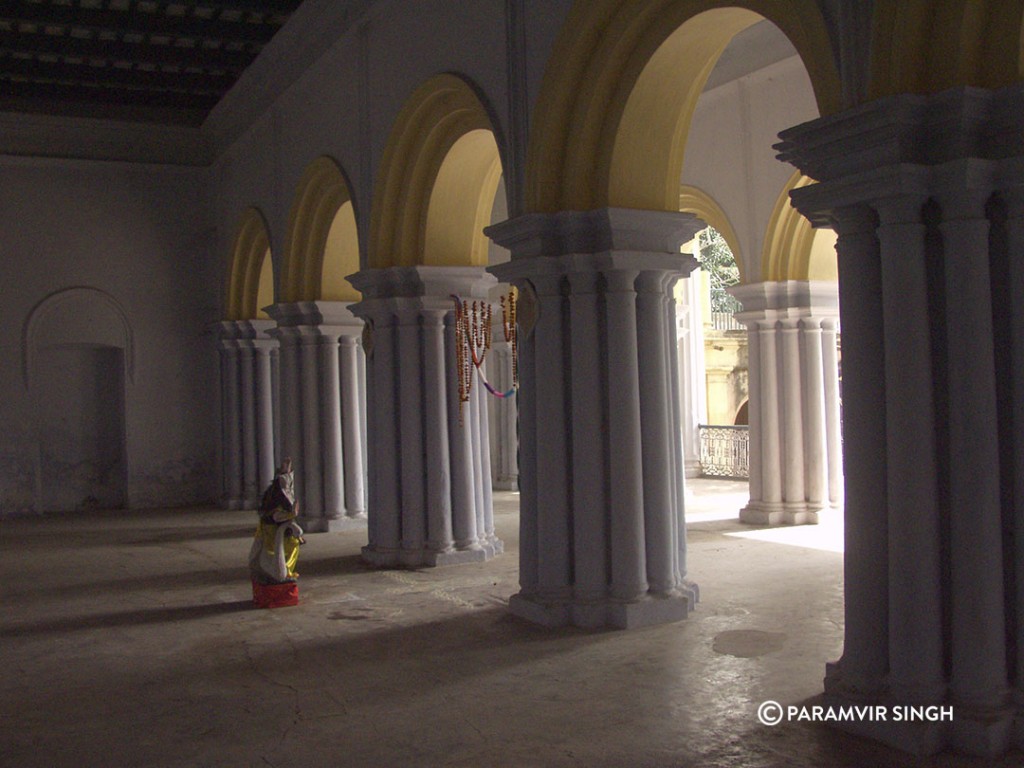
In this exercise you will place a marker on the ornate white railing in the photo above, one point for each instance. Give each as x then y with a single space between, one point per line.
725 451
726 321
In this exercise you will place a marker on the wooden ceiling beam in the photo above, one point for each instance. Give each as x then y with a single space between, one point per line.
273 7
62 96
136 22
113 77
35 45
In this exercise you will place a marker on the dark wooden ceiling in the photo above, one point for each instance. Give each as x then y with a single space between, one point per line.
164 61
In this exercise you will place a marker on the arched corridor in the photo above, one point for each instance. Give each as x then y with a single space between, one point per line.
269 272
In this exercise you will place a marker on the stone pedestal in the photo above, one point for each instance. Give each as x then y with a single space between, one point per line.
430 470
928 257
320 411
602 537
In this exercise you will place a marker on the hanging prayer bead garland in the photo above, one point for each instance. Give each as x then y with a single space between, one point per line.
473 340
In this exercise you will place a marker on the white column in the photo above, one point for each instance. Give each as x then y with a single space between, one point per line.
502 422
440 537
553 472
813 407
865 661
602 536
933 559
794 494
275 387
751 513
1014 260
290 410
353 409
693 384
330 417
247 387
978 678
590 534
232 426
420 447
384 510
311 469
915 602
833 412
410 430
771 433
264 413
659 430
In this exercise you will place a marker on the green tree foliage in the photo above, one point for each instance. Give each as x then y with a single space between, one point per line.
715 258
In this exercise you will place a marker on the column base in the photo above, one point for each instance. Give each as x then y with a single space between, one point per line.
616 614
915 737
692 469
235 504
330 524
982 733
762 513
1018 728
798 513
418 558
505 483
907 727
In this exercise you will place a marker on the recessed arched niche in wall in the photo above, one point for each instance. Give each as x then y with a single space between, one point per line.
78 358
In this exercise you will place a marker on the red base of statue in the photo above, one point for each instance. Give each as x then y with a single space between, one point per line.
275 595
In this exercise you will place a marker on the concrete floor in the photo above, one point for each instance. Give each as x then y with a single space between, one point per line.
129 640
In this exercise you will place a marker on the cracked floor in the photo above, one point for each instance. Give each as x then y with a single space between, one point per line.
129 640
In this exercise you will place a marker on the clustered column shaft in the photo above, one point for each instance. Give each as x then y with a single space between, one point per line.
934 564
793 411
321 404
247 411
430 479
601 506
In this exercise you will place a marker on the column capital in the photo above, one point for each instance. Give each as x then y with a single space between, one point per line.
315 313
786 299
900 145
597 231
423 282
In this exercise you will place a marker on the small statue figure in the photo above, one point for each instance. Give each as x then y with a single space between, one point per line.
275 547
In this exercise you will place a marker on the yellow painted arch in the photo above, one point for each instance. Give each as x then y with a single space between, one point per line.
927 46
322 245
793 249
620 90
698 202
439 172
250 284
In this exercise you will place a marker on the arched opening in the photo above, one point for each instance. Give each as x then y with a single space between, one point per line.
435 193
461 202
742 415
437 181
250 285
613 118
636 107
322 245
